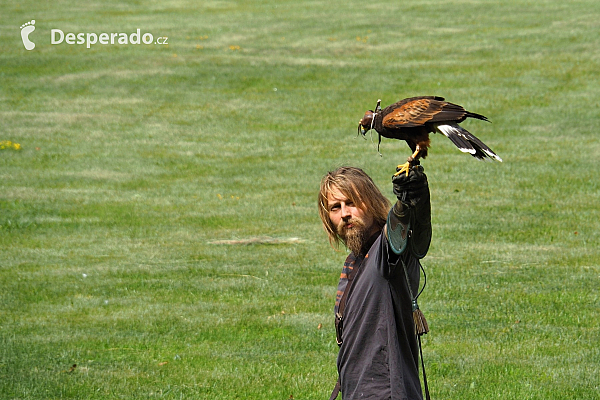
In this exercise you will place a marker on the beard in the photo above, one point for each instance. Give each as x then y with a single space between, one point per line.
355 237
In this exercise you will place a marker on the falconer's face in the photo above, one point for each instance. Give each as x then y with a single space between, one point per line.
346 216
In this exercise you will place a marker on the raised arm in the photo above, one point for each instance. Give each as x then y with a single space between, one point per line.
409 220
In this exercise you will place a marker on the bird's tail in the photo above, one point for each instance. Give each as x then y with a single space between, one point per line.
466 141
478 116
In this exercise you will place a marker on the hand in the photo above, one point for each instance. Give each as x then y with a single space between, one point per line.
412 188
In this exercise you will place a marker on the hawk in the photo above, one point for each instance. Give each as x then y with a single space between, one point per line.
414 118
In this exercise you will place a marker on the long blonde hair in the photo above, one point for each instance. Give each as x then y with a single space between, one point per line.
359 188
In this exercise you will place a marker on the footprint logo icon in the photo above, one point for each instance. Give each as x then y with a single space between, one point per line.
26 29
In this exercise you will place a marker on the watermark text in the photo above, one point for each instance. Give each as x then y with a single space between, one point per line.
57 36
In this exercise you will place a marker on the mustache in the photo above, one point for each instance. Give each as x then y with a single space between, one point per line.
356 223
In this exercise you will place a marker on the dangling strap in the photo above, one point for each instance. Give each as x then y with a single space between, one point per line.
336 390
423 366
339 318
421 326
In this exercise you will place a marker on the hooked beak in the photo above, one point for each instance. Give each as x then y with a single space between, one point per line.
361 129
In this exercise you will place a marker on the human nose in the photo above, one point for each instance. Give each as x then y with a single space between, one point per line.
345 211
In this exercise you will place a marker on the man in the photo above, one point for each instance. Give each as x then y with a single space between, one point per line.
379 353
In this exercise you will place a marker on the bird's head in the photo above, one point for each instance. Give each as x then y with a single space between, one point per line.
366 123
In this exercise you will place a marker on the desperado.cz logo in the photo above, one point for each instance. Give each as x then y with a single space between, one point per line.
57 37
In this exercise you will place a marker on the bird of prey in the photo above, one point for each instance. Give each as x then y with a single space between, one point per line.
414 118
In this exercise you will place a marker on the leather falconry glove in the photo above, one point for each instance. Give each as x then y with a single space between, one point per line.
410 189
414 206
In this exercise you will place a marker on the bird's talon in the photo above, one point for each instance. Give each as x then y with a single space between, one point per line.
403 168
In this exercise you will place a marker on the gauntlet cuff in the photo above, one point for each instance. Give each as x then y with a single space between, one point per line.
398 228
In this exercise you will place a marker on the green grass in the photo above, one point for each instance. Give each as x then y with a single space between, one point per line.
135 159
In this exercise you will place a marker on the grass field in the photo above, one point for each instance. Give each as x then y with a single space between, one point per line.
159 229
